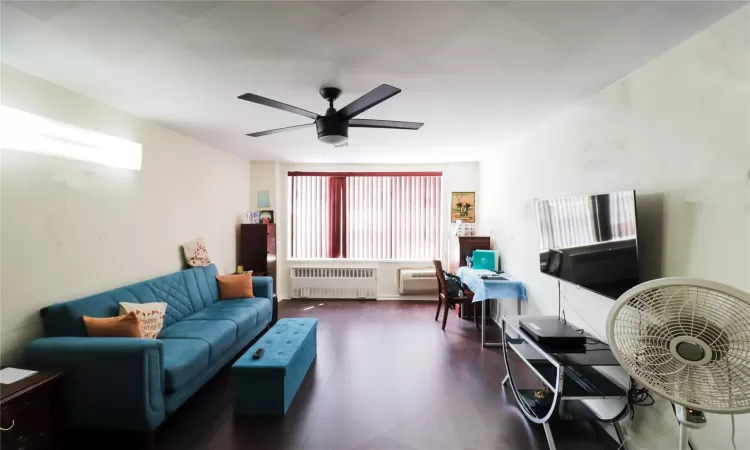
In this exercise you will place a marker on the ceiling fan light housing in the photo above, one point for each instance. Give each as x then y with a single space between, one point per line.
332 130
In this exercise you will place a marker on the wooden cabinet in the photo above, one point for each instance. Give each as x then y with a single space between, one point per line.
31 412
258 249
463 246
258 252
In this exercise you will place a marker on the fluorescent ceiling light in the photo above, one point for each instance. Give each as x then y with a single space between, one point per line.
24 131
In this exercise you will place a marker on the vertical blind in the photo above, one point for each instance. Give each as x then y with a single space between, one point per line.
622 214
577 221
565 222
365 216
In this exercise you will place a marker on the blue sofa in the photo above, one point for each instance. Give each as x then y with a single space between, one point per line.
133 384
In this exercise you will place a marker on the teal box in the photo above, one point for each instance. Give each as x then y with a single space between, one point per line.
484 259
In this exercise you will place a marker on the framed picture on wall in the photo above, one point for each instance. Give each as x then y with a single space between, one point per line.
263 199
463 207
266 217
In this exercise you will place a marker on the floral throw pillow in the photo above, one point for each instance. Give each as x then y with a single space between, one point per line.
196 253
151 316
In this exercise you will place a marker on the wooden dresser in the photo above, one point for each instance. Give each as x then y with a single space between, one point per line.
258 252
31 414
463 246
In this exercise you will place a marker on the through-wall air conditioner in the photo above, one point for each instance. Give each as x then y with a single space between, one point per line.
417 281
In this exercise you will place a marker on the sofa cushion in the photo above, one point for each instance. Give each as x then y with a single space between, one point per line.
241 312
264 307
218 334
172 290
185 293
184 359
202 286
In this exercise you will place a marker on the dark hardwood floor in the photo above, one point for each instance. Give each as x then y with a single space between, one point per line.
386 378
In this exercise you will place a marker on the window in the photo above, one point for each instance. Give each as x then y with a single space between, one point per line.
365 216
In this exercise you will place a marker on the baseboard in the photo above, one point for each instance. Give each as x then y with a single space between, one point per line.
426 297
421 298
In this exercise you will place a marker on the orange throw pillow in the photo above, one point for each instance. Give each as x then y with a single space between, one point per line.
235 286
121 326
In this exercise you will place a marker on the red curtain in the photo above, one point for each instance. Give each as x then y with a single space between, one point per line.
336 218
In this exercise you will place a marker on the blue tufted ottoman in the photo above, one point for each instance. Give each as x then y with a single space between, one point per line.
267 386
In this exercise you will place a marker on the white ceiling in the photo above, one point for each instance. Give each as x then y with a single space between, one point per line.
476 73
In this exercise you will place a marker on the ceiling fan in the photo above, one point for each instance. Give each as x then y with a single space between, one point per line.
333 127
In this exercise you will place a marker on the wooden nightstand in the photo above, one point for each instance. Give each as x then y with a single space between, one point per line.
31 412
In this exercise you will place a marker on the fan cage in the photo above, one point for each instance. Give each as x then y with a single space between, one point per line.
647 322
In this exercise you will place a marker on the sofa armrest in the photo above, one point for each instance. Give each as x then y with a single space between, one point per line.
111 383
263 287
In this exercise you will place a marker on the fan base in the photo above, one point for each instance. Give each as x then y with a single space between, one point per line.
330 93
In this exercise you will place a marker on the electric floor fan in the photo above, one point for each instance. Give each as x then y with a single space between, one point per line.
687 340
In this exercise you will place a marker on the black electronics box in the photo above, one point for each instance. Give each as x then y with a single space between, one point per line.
551 331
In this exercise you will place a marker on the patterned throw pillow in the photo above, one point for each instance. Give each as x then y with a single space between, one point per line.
196 253
151 316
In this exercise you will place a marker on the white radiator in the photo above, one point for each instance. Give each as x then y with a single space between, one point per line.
329 282
417 281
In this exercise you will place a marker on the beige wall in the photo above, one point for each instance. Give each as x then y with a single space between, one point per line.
456 177
678 132
263 177
71 228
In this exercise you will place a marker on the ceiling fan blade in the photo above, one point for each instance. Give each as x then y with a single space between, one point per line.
280 130
394 124
278 105
367 101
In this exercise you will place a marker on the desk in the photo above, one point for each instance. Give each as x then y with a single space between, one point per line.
510 288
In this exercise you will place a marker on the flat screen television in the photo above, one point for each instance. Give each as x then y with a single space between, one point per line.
590 241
